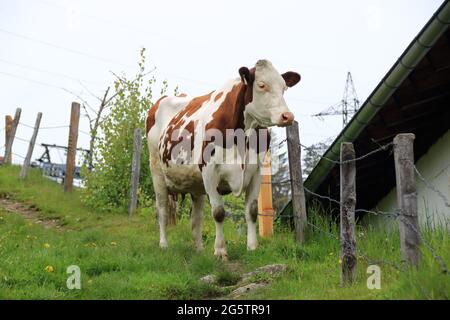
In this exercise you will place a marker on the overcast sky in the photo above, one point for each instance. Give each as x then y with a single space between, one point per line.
48 45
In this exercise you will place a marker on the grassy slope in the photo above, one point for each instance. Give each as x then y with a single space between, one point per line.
136 268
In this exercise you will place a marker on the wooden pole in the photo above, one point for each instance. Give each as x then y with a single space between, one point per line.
8 128
265 208
72 147
295 170
407 197
12 134
26 162
135 170
348 201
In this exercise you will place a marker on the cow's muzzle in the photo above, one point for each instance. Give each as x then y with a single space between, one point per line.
286 119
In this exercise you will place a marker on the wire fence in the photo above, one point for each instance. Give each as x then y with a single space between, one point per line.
233 208
400 216
37 143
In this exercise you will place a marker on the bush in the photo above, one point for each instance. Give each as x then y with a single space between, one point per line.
108 184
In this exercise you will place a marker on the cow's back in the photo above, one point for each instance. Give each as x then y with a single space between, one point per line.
159 116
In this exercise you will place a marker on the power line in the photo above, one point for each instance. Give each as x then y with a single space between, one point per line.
107 21
38 82
74 51
32 80
46 71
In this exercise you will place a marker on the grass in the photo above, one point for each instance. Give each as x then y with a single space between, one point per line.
119 257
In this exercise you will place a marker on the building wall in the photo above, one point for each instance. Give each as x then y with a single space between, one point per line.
435 168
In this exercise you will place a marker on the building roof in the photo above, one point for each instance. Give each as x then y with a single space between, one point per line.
414 96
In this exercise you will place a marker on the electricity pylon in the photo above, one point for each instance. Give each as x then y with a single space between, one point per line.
347 107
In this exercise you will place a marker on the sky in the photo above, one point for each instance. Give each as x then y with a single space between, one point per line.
53 51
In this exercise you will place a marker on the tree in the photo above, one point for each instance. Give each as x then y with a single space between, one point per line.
108 184
313 153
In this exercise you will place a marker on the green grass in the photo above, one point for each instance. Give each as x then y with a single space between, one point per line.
119 257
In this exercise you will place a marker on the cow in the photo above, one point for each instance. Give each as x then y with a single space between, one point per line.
189 138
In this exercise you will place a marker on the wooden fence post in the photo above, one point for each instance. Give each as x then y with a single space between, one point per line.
348 201
26 162
295 171
12 134
135 170
407 197
265 208
8 128
72 146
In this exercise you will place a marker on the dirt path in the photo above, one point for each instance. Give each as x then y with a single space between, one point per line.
28 212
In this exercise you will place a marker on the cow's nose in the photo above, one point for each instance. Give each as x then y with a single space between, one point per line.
287 118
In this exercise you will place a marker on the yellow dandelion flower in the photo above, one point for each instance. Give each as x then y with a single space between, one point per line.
89 281
49 269
340 261
113 243
46 245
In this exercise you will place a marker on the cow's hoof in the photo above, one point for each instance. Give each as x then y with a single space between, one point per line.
163 244
221 254
252 246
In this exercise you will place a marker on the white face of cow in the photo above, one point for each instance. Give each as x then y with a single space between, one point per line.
267 105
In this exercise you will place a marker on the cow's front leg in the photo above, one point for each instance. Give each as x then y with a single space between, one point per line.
211 182
251 210
197 220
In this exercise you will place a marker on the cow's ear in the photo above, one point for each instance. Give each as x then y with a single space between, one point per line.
291 78
246 75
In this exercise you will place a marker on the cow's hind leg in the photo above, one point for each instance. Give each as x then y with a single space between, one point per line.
211 182
162 199
197 220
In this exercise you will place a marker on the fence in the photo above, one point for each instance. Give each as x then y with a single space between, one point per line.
11 126
406 214
406 171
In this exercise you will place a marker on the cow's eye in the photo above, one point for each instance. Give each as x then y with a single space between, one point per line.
261 85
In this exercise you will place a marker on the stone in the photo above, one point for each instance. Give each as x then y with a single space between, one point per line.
209 279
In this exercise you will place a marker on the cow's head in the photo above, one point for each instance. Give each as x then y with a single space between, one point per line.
264 96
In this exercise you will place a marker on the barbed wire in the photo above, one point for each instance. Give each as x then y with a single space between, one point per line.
431 187
17 155
21 139
236 217
400 215
46 127
384 147
84 132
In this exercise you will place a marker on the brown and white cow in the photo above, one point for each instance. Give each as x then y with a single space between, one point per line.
203 146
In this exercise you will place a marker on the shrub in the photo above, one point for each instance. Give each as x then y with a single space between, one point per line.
108 184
